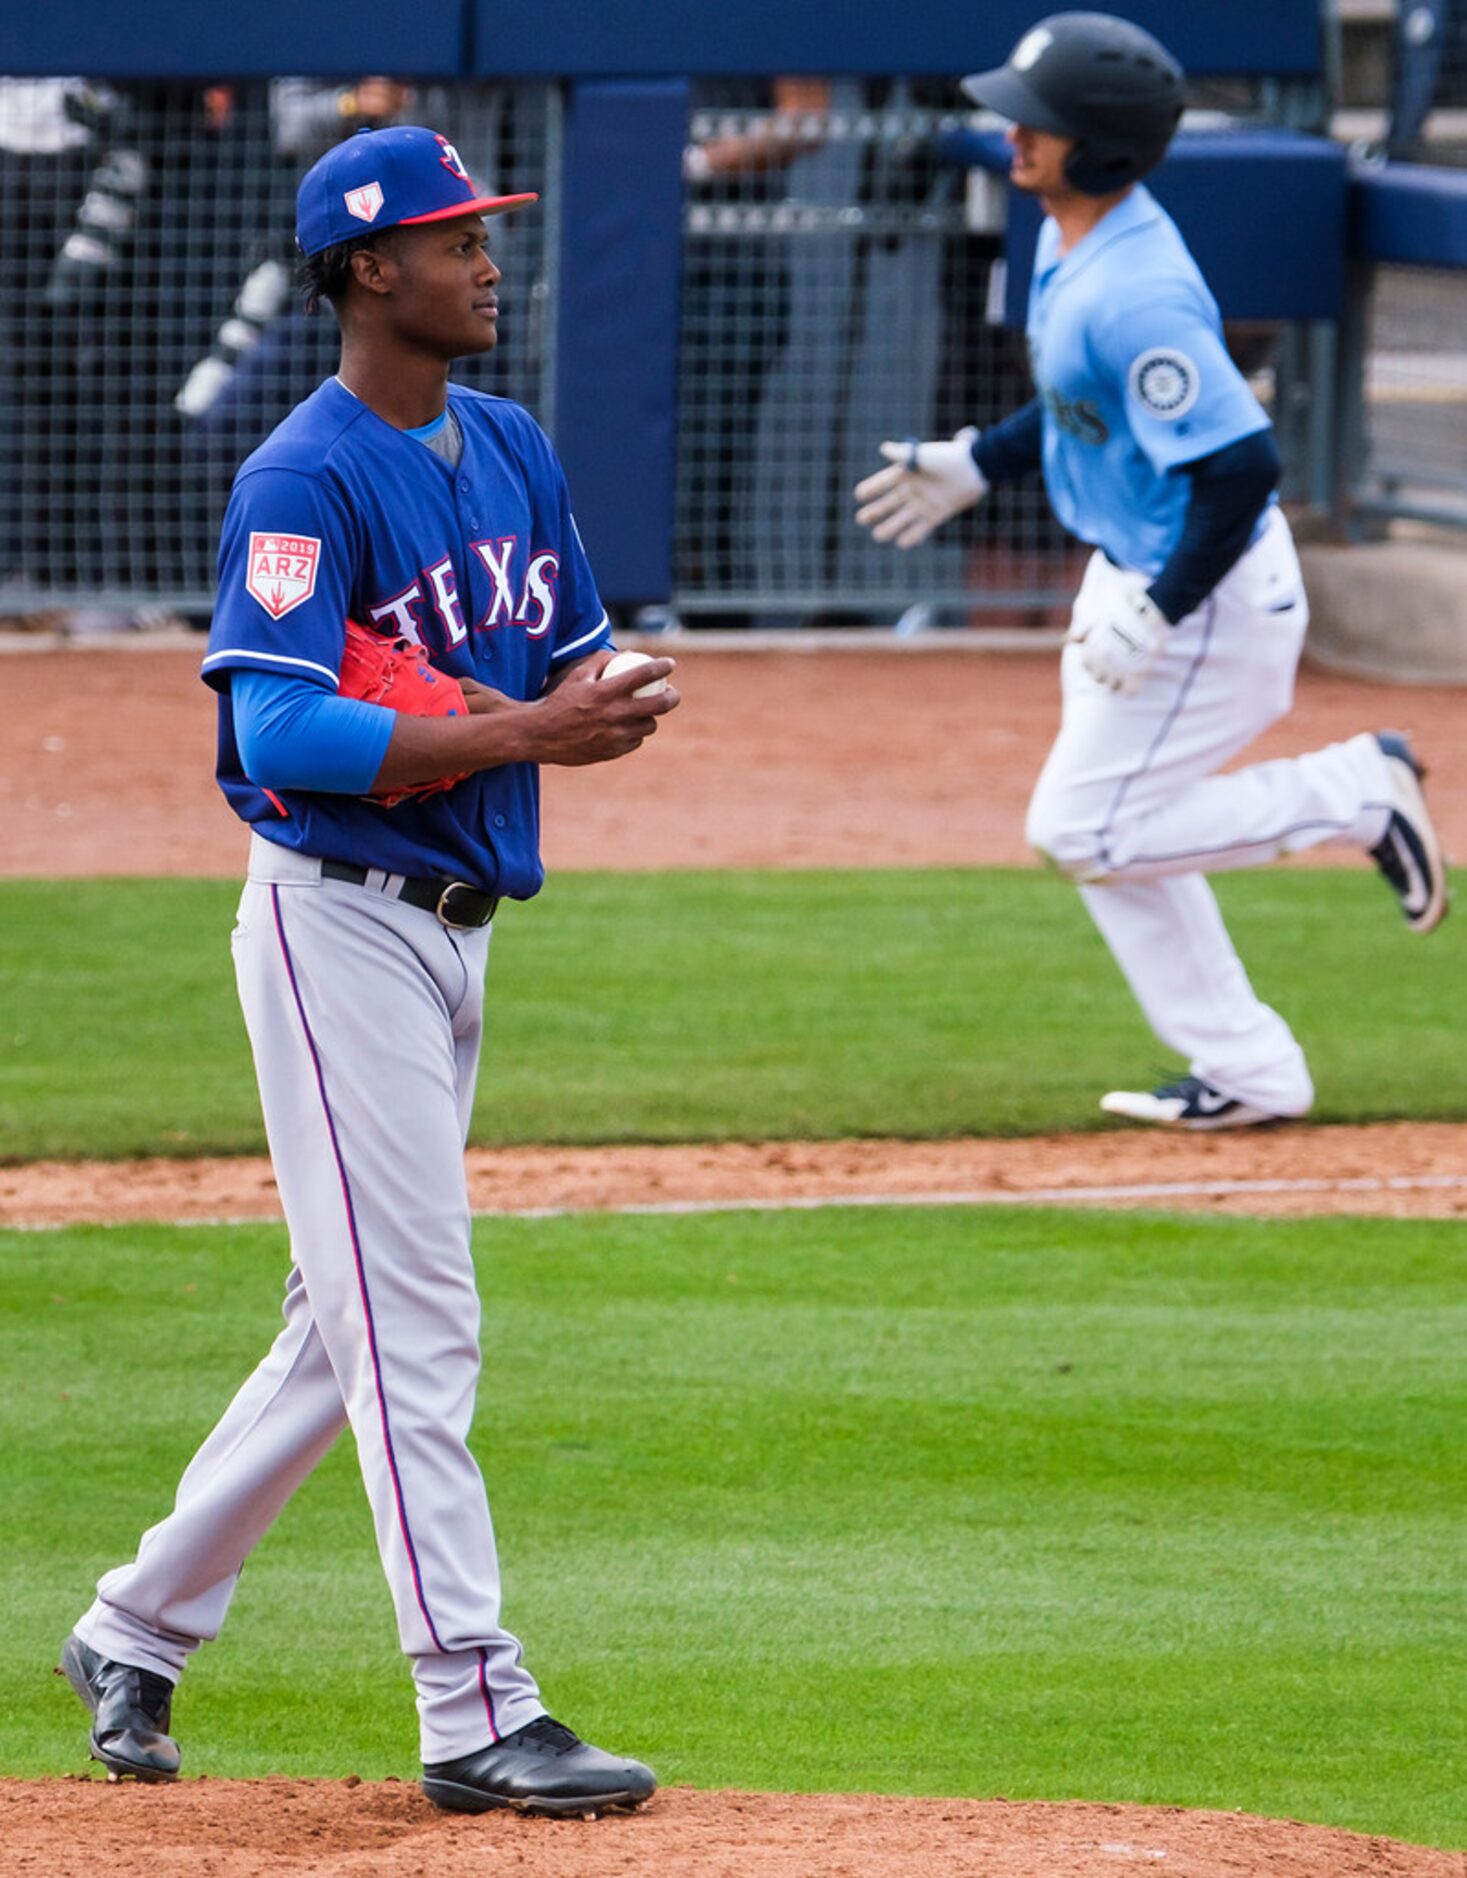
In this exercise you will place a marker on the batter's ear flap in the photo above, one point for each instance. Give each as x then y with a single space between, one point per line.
1099 167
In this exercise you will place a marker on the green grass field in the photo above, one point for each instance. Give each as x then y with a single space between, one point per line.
943 1501
707 1006
923 1501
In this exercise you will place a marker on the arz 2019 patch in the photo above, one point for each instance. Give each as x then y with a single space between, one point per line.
282 570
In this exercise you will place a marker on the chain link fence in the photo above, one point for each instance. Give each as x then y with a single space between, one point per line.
843 286
1414 408
150 331
838 288
835 286
1402 87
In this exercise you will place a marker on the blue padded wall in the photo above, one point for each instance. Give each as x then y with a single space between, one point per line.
616 351
1411 215
1264 212
267 38
606 38
859 37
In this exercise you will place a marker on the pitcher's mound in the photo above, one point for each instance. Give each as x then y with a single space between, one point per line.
277 1828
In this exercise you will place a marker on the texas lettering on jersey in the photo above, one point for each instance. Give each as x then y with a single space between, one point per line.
281 575
522 592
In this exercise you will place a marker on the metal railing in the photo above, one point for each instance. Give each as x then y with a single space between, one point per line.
834 295
843 286
1413 411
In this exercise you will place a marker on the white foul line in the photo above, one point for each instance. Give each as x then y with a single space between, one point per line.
1027 1196
813 1202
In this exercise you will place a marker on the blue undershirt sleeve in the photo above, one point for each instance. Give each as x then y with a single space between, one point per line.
294 734
1014 448
1230 490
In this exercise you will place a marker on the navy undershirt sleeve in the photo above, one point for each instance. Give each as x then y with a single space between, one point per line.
1013 448
294 734
1230 490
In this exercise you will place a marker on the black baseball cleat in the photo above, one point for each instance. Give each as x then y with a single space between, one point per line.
131 1709
1409 854
542 1768
1189 1102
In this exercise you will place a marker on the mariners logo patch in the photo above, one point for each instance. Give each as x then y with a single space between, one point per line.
282 571
1166 382
364 203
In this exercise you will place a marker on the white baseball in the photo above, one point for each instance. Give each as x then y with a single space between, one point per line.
628 661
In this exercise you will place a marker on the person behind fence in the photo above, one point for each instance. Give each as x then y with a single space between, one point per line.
306 119
1190 619
71 174
735 316
418 534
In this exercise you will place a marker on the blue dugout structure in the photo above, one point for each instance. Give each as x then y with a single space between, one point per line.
610 39
1401 215
1411 216
1264 211
1269 213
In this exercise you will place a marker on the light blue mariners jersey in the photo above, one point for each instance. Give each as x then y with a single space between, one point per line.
338 515
1126 347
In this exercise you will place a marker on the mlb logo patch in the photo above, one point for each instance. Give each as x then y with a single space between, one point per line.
364 203
282 571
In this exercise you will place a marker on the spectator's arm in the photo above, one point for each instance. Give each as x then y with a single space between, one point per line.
770 145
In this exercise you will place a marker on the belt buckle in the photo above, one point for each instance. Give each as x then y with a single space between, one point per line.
444 908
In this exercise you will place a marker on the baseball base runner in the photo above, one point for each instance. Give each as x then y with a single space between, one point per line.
1189 622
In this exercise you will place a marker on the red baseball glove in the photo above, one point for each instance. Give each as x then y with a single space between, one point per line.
396 673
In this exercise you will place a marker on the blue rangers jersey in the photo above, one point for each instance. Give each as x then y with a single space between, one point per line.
338 515
1126 346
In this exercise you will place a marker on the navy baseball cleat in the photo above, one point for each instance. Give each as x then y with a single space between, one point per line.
131 1709
1409 854
1189 1102
542 1768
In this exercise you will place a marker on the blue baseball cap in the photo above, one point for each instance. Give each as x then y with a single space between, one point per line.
384 179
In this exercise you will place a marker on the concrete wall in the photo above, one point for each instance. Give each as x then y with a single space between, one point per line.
1392 610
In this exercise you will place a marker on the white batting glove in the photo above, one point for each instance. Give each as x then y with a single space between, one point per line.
926 485
1120 643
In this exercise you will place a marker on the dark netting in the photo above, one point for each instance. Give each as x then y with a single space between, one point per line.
1415 393
835 293
151 333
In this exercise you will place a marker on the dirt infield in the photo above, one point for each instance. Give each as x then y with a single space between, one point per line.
819 759
882 757
347 1829
1294 1170
889 757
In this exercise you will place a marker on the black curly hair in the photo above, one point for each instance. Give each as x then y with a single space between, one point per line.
327 275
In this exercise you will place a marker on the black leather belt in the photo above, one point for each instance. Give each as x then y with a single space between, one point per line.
455 902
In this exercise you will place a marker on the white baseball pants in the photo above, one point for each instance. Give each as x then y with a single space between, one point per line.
1129 806
365 1017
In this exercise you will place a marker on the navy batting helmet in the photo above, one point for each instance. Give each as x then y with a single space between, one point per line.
1097 79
